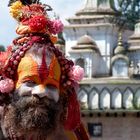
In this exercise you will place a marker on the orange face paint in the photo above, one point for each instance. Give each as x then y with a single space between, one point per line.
29 70
43 69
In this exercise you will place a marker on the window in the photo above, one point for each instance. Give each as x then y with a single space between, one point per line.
80 62
95 129
120 68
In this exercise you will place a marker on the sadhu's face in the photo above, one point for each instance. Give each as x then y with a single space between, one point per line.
39 75
36 103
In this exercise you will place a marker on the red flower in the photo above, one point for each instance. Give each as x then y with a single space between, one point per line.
37 23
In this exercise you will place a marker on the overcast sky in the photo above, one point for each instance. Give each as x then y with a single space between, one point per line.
64 8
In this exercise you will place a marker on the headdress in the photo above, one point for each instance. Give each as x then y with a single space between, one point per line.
37 29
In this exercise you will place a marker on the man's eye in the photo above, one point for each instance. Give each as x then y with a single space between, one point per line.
30 83
52 89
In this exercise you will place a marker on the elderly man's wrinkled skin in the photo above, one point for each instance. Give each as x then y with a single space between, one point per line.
38 118
35 107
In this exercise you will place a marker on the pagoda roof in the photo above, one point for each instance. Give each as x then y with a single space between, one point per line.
98 11
85 43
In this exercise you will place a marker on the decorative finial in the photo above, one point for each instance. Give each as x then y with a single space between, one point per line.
120 44
119 49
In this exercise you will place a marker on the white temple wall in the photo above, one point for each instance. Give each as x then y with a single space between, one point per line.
137 99
83 98
104 66
93 100
96 64
128 98
120 68
68 46
91 60
134 56
135 61
112 96
105 36
105 99
116 101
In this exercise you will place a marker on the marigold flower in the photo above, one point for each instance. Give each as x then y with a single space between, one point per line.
15 10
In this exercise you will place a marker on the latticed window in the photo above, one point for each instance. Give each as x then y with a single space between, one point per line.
95 129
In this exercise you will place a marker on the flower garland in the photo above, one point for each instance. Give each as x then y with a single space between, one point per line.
34 19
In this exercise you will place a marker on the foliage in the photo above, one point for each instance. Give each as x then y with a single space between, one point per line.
2 48
128 12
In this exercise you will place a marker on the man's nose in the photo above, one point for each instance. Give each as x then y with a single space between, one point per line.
41 91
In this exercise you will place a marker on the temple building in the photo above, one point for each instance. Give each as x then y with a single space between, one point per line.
109 94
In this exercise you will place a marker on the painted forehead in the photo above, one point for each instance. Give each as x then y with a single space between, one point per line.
41 64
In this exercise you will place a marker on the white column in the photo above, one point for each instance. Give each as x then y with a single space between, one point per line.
105 5
91 4
89 67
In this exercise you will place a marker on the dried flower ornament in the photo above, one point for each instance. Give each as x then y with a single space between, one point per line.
6 85
77 73
55 26
35 18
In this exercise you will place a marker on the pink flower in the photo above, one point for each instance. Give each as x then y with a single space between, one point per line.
55 26
6 85
77 73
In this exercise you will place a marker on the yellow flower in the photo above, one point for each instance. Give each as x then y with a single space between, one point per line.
15 10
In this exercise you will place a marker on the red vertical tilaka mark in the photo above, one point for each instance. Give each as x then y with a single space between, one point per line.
43 69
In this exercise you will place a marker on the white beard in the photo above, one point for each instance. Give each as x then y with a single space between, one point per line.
59 133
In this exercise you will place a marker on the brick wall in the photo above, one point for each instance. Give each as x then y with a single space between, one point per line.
116 128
